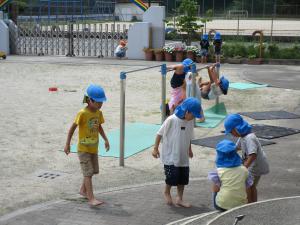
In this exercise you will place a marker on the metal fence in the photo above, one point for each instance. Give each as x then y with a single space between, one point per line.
73 39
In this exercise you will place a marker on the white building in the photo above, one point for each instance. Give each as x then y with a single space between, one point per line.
128 11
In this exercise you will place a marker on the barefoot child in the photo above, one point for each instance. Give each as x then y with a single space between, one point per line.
253 155
204 43
89 120
230 178
178 83
214 87
217 46
177 132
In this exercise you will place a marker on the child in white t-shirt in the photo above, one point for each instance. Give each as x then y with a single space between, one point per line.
253 156
177 132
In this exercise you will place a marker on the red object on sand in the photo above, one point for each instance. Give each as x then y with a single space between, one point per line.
53 89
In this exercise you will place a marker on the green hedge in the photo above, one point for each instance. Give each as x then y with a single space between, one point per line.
271 51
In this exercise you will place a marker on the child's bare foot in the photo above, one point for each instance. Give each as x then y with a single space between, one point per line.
202 120
83 194
183 204
95 202
168 198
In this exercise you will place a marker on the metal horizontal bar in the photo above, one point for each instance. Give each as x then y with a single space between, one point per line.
146 68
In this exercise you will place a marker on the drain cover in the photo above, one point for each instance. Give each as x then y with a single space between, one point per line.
49 174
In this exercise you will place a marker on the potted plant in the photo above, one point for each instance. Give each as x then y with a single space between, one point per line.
148 53
179 54
159 54
169 50
190 52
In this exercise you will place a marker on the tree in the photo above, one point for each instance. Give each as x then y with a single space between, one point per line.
187 21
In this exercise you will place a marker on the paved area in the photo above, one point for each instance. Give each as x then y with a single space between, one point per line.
277 76
28 78
144 204
274 212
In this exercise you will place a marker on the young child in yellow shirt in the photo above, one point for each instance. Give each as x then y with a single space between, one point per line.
89 120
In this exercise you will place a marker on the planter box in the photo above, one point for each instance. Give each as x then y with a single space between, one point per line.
234 61
256 61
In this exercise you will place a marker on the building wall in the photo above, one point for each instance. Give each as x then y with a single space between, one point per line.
126 11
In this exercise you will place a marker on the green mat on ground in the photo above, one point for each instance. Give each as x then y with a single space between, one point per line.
213 116
245 86
138 137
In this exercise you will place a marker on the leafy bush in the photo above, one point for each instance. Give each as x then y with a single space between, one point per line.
273 51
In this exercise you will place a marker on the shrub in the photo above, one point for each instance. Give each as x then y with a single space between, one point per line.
273 51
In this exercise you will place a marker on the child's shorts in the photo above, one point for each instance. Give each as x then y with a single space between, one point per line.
204 52
88 163
176 175
120 54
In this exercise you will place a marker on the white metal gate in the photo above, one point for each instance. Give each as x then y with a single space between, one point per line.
73 39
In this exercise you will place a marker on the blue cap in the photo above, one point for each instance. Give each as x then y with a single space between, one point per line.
187 65
96 93
235 121
226 155
224 85
191 105
217 36
205 37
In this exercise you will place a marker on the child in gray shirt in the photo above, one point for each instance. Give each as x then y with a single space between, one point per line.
253 155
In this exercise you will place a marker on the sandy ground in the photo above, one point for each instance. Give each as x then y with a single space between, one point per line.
34 123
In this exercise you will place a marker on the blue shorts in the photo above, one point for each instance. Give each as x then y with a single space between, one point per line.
176 175
204 52
120 54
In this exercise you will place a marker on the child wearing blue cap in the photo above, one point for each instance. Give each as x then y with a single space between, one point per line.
254 158
214 87
89 120
204 43
217 46
177 132
178 83
230 178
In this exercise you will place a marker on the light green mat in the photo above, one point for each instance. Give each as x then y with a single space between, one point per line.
138 137
245 86
213 116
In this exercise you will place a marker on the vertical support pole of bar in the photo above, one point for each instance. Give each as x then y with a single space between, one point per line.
163 92
194 73
122 117
218 75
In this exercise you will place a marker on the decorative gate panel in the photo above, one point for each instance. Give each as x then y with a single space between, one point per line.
74 39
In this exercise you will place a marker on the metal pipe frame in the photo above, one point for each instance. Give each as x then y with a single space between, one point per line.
123 76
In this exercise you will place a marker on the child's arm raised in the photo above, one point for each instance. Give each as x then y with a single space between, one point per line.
69 138
155 152
103 135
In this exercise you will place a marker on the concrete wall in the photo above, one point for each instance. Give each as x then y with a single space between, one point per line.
156 16
4 35
138 38
125 11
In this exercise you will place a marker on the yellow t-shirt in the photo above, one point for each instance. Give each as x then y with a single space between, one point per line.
88 123
233 187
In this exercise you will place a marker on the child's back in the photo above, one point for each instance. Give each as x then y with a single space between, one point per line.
250 144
